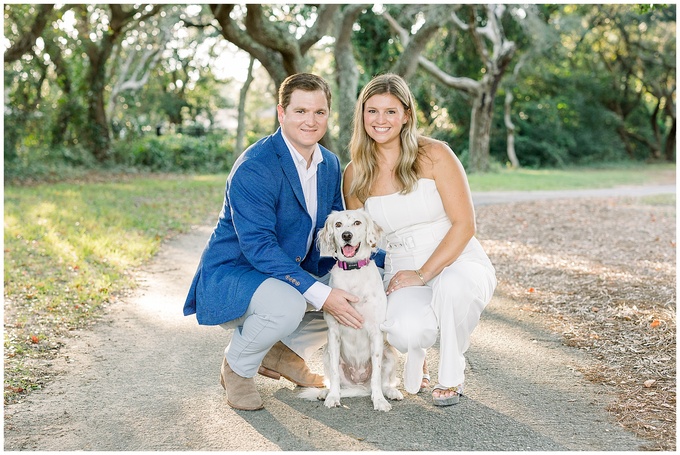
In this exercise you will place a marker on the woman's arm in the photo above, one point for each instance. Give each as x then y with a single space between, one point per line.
449 175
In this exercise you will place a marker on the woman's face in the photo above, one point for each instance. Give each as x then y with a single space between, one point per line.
384 116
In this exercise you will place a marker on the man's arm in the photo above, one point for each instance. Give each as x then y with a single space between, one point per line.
254 197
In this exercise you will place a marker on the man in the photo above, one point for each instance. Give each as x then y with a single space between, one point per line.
261 267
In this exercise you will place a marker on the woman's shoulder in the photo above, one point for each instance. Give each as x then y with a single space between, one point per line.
348 172
434 147
351 200
435 153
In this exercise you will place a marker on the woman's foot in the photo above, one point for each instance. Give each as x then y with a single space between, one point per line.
446 396
425 382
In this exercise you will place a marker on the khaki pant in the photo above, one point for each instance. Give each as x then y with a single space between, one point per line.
276 312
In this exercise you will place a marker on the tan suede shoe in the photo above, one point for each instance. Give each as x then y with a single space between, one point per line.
241 392
282 361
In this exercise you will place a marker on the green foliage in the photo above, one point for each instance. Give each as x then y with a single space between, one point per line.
36 162
374 47
598 85
575 103
175 153
207 153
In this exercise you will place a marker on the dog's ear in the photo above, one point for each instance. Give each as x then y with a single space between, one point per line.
325 240
373 231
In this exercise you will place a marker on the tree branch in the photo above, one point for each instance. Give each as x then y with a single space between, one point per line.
271 60
267 33
413 45
465 84
324 20
27 40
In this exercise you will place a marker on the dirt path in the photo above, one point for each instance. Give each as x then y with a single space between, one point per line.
146 378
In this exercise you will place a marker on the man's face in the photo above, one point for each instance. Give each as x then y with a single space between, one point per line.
305 120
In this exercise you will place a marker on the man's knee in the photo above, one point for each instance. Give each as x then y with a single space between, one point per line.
281 305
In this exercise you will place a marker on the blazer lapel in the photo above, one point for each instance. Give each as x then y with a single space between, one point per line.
288 167
322 190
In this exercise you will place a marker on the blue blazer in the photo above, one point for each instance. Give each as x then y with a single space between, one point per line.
262 231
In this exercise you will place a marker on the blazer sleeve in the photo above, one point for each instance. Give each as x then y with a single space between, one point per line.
255 200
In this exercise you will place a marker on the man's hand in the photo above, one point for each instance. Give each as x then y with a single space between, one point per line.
337 305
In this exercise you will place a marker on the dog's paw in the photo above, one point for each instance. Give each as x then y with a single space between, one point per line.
393 394
332 401
381 404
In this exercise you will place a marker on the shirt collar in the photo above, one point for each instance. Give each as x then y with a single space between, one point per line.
299 159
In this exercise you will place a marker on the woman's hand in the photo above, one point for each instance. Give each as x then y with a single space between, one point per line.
405 278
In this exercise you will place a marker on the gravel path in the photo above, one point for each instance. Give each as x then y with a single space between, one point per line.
146 378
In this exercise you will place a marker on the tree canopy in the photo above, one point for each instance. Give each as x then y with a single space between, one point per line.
528 85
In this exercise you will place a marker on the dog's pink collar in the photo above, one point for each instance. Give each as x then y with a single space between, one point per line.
353 265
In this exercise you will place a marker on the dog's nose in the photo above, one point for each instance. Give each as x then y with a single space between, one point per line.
346 236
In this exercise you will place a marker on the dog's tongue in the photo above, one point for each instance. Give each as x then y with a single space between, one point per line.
349 251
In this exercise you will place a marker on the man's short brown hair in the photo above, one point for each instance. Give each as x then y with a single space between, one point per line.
303 81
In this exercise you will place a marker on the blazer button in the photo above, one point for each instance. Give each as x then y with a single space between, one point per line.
298 259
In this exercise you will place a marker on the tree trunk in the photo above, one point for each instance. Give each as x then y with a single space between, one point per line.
480 130
669 149
347 77
66 103
97 130
241 127
510 127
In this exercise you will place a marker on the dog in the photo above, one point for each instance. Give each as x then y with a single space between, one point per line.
355 357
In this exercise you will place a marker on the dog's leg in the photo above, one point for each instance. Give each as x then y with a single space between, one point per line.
379 401
333 363
389 373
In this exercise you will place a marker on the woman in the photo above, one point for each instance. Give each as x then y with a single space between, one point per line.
437 276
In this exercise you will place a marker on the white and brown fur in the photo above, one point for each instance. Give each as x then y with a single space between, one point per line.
353 357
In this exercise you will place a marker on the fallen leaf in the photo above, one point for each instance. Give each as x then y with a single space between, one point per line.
35 339
532 290
655 323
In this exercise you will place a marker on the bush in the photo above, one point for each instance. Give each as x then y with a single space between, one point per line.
175 153
45 164
208 154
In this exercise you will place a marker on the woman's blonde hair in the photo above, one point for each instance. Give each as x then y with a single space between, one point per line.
363 148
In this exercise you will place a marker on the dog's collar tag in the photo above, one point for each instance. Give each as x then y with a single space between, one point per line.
353 265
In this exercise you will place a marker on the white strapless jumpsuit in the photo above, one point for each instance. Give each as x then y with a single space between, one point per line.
451 303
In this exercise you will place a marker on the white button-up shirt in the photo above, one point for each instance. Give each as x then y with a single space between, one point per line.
318 292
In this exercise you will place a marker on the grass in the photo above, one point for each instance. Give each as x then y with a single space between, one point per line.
72 248
578 178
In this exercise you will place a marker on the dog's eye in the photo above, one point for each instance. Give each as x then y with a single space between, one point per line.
357 223
338 224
